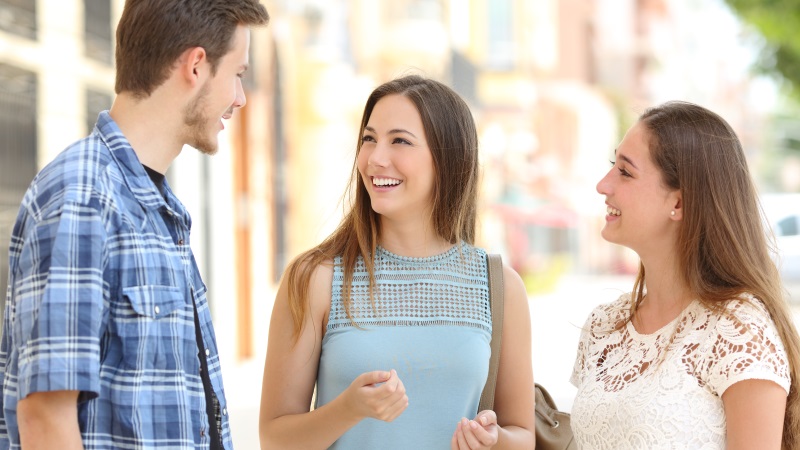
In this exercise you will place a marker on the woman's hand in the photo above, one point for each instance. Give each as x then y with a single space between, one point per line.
479 433
379 394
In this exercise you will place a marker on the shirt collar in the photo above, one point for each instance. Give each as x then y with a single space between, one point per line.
133 173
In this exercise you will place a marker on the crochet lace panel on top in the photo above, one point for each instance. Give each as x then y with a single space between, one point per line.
446 289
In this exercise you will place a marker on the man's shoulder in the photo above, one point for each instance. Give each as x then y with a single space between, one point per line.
80 166
81 162
76 174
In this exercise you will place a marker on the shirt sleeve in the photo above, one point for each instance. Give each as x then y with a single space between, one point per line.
747 347
58 290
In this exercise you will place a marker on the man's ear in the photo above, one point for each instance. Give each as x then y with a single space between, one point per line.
193 66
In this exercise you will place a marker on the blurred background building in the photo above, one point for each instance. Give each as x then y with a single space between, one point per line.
553 85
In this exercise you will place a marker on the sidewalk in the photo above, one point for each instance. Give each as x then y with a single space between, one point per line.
243 392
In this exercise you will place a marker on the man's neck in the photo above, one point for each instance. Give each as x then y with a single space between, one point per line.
151 126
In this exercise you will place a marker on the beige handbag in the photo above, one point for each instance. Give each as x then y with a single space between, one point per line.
553 430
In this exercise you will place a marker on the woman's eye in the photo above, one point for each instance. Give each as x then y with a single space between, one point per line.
400 141
367 138
624 172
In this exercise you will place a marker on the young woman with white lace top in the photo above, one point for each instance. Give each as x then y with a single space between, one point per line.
703 354
389 316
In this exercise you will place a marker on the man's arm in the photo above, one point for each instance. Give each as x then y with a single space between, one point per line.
49 420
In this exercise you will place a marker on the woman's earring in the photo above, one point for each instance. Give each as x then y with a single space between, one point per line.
672 213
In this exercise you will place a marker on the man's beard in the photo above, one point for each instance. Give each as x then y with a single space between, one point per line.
197 124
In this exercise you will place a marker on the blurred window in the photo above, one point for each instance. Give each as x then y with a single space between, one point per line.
501 34
96 101
18 17
97 30
18 156
789 226
414 10
465 76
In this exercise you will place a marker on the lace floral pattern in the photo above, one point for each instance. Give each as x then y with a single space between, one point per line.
663 390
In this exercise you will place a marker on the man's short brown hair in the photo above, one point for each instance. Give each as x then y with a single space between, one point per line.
152 34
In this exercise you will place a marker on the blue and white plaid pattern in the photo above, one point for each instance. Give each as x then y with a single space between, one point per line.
100 292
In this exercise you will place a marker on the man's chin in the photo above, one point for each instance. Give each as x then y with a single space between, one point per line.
208 151
206 147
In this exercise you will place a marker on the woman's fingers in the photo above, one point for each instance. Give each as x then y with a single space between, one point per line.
476 434
461 438
381 394
468 427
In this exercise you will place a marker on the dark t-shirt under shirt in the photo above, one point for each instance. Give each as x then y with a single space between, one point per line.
212 405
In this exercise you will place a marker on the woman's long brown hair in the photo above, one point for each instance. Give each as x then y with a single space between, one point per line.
723 247
453 142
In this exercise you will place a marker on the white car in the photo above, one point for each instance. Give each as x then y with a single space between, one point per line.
783 214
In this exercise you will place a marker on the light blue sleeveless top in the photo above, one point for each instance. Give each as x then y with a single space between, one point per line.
432 323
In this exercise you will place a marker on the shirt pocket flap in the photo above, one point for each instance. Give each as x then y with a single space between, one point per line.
154 301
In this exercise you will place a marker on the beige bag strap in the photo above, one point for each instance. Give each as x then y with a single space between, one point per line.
496 293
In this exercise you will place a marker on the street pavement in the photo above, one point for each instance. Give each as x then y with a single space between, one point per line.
556 320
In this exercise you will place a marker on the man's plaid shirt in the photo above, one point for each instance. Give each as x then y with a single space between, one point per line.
101 285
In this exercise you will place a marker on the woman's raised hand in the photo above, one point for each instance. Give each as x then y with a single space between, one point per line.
378 394
479 433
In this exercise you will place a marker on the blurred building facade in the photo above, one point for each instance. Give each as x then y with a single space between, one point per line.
552 85
56 74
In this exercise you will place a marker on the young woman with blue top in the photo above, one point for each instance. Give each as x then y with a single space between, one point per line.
389 316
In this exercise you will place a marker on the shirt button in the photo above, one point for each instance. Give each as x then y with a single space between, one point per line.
157 310
224 411
208 352
202 433
180 241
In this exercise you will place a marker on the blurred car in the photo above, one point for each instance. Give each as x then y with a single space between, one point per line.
783 214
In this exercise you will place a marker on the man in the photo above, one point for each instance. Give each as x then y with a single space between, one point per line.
107 338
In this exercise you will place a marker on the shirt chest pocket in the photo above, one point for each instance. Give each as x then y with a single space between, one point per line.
154 328
154 302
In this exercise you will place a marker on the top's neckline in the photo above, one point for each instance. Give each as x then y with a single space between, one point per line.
668 327
433 259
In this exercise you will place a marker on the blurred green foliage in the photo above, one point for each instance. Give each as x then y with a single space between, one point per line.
545 280
778 21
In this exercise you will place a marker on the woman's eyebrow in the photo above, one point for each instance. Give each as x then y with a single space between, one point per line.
626 159
393 131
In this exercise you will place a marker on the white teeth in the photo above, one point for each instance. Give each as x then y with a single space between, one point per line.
385 182
613 212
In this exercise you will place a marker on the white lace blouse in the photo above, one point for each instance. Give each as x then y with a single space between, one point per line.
664 390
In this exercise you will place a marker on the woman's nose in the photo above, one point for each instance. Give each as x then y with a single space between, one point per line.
379 156
603 185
